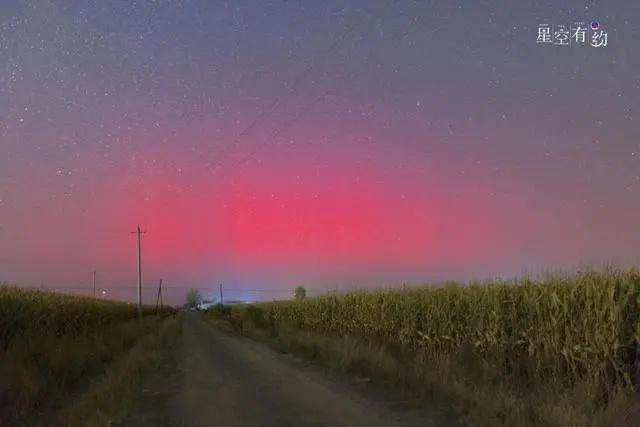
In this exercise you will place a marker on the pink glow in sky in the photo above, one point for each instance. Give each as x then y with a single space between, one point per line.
330 144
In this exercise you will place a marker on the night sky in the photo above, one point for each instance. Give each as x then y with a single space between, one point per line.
332 144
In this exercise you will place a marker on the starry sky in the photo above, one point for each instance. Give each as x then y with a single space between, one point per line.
334 144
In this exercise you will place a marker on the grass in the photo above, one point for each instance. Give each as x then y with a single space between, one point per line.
53 346
110 396
558 351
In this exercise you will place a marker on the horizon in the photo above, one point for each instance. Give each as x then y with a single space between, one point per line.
175 295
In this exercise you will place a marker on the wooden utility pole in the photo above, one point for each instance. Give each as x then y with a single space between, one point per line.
221 300
139 233
94 283
159 297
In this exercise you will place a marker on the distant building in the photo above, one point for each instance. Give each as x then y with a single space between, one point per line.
206 304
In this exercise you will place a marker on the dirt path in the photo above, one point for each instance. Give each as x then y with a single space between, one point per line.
223 380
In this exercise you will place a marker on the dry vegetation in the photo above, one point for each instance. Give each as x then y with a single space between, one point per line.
559 351
108 399
25 312
53 347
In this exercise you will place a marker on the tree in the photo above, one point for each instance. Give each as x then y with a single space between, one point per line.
193 298
300 293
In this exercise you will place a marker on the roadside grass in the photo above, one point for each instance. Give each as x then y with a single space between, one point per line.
109 396
477 391
52 346
558 352
39 372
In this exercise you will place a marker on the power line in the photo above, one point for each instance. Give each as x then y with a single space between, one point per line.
278 101
139 233
175 287
415 23
159 298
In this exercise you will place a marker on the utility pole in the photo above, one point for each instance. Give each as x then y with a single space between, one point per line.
139 233
94 283
159 298
221 300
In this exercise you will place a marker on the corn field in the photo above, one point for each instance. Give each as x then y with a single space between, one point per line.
24 312
564 328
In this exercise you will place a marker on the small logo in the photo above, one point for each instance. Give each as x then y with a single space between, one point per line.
580 33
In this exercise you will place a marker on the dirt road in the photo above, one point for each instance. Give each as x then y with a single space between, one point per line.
217 379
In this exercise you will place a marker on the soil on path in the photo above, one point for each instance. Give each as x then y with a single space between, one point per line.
216 379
